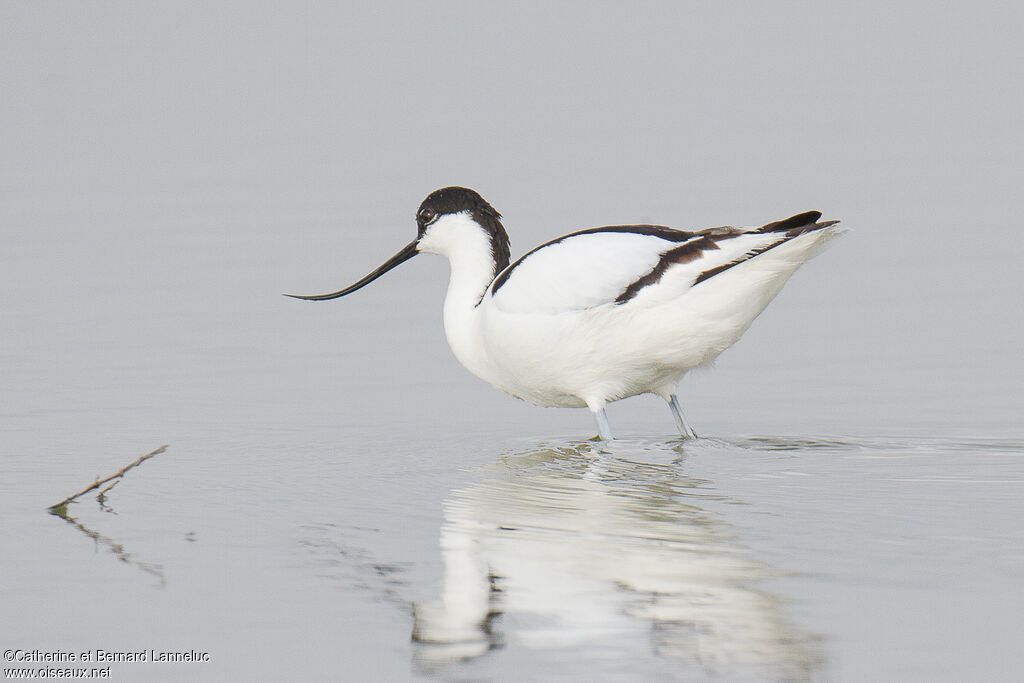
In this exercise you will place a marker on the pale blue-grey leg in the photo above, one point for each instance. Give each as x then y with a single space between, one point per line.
677 413
603 430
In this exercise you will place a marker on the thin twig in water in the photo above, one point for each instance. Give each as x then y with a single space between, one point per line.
61 507
104 491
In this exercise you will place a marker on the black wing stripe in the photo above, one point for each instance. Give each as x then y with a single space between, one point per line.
711 272
686 253
788 229
793 229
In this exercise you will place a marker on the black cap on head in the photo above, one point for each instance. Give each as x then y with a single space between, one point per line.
449 200
454 200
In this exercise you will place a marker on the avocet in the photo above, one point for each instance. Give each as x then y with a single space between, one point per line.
601 314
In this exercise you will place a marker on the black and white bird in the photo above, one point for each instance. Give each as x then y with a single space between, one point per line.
601 314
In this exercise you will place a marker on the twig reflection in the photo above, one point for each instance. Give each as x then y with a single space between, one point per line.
113 546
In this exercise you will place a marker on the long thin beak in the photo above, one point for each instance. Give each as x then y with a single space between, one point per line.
401 257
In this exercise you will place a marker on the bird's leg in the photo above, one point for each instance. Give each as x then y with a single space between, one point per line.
677 413
604 432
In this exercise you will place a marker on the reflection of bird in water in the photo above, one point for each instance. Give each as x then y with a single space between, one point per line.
562 549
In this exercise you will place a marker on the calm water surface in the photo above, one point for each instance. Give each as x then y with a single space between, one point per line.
739 558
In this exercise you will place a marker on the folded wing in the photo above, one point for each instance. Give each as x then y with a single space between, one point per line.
625 265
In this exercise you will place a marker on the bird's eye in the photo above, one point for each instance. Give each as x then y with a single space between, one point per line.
427 216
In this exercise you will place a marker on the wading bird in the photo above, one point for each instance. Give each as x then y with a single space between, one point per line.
601 314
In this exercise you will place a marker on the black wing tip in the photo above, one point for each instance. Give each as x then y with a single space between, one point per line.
799 222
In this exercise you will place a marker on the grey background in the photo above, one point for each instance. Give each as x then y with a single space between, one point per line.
169 169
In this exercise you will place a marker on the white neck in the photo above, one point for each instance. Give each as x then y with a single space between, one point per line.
468 249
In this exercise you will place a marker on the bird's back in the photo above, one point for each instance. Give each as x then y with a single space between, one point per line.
633 264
